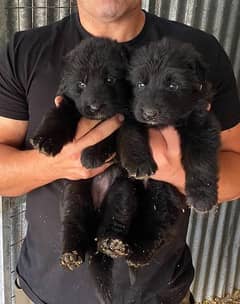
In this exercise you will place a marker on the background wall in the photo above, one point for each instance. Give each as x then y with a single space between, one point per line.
214 238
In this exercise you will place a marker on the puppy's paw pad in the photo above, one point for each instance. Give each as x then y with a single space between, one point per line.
71 260
113 247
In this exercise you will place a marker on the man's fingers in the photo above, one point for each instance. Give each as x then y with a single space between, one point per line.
58 100
84 126
158 144
98 170
172 140
164 143
101 131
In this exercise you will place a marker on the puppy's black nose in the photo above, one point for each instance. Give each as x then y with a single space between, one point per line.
149 113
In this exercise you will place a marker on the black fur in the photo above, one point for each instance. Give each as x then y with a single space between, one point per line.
124 215
93 85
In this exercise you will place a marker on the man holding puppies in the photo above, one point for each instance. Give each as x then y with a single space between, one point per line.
29 76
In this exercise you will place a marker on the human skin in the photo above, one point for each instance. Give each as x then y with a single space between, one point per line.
166 152
121 20
117 20
23 171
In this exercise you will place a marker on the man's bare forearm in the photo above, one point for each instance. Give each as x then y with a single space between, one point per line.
229 181
22 171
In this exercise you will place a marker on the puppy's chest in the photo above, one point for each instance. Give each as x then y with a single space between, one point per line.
102 183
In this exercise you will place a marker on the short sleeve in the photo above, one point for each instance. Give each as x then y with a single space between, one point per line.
226 104
13 102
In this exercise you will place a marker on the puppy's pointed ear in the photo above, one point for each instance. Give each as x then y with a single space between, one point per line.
198 65
61 88
67 63
125 54
67 58
201 68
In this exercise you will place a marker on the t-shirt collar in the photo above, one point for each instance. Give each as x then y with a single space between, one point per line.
84 34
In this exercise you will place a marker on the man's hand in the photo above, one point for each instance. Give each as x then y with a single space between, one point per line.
166 151
89 132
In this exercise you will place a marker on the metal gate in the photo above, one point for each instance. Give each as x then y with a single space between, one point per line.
214 239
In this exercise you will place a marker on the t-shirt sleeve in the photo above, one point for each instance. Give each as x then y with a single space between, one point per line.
226 104
13 103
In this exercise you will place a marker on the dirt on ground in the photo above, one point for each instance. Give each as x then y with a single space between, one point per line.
228 299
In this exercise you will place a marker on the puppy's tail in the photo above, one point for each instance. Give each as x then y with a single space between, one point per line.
101 270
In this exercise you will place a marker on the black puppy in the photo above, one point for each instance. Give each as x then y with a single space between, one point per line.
170 89
93 85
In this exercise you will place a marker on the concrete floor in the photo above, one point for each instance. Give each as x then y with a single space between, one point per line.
21 298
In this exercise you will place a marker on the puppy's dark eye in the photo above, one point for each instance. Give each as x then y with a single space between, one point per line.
173 86
81 85
110 80
140 85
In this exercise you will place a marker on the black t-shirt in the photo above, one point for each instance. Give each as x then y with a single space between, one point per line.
30 70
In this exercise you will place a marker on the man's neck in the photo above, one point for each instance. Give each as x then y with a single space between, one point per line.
123 29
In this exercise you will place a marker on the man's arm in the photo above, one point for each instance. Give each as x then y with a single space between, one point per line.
229 162
166 152
23 171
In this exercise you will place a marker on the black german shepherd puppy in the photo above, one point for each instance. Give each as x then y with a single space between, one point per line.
93 85
170 89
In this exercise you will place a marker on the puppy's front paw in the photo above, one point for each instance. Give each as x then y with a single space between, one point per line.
140 169
71 260
47 144
200 201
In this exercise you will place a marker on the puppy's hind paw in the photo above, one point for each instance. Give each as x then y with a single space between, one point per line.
112 247
46 145
135 261
71 260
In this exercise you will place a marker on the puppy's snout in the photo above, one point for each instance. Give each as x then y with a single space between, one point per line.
95 107
149 113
